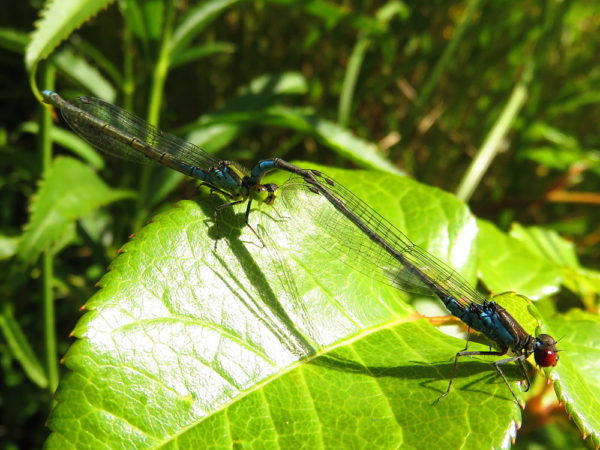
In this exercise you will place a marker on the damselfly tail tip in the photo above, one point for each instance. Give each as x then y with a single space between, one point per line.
46 94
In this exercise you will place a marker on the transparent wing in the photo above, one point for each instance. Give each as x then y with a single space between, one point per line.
133 126
407 267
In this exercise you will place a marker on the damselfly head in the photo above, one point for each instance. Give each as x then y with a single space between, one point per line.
265 193
545 351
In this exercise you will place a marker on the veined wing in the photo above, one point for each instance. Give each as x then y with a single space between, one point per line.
398 262
76 114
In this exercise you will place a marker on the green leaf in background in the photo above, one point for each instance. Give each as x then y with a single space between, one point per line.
214 131
85 74
196 20
505 264
202 51
20 347
68 191
341 140
71 141
8 246
260 104
13 40
59 19
201 336
548 245
559 151
563 158
334 14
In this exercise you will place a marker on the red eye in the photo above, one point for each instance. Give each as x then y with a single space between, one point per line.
545 357
545 351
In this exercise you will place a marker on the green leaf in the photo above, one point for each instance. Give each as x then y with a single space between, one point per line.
505 264
196 20
19 346
259 104
71 141
544 131
13 40
153 15
87 75
578 380
135 21
548 245
339 139
215 131
563 152
8 246
334 14
59 19
68 190
201 51
201 336
560 158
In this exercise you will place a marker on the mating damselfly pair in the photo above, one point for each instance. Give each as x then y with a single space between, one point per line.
364 236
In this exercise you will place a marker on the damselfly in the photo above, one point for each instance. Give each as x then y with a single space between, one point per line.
373 245
122 134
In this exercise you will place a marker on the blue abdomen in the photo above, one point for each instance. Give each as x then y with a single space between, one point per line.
484 318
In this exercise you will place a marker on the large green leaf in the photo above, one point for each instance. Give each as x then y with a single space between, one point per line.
202 336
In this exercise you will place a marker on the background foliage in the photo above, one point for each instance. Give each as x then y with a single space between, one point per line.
496 102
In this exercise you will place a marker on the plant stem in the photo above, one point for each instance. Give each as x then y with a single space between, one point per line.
444 61
156 98
350 77
45 147
491 143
